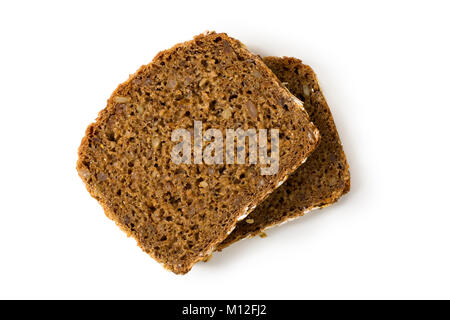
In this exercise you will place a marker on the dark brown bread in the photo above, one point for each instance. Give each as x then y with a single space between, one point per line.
324 177
178 213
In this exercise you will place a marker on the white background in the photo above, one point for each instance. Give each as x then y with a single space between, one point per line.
384 67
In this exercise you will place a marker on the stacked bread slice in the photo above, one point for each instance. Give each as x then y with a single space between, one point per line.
154 157
322 179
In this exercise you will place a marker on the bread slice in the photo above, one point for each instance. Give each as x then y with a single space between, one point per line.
324 177
178 213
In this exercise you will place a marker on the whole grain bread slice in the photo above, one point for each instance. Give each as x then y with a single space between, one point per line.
324 177
178 213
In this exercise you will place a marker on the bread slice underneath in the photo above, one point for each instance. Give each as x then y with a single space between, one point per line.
178 213
321 180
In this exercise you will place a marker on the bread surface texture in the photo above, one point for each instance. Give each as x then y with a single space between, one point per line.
179 212
322 179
